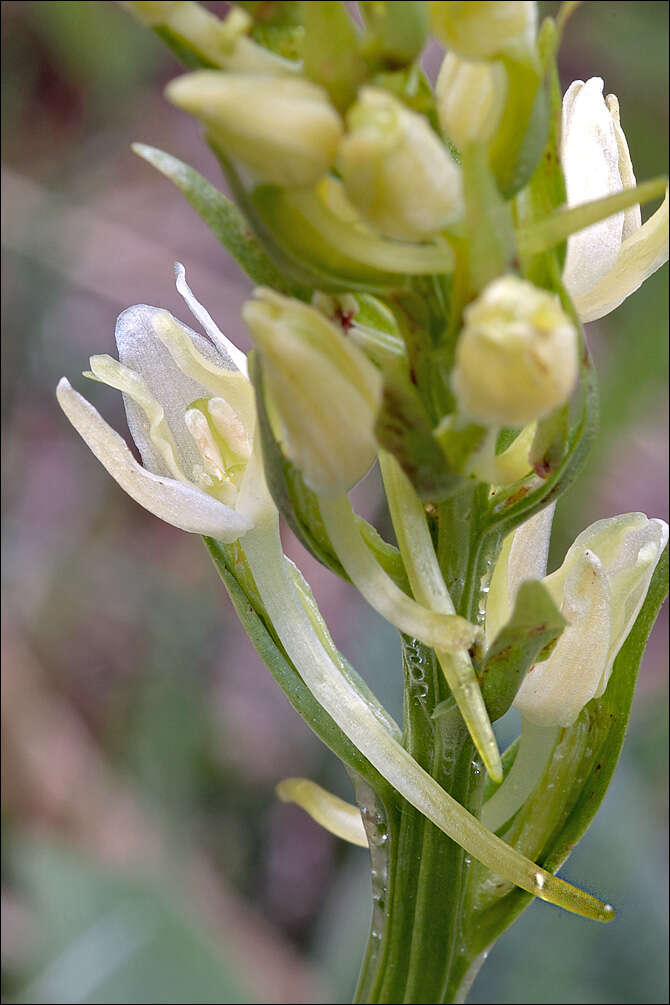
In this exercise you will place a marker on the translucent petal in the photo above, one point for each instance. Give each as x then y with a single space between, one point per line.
109 371
179 504
212 373
529 551
178 366
590 159
142 351
640 256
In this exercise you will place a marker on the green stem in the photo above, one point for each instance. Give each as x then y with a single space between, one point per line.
428 586
416 938
418 953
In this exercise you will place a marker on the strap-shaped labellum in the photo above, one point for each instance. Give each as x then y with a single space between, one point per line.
429 588
334 814
446 631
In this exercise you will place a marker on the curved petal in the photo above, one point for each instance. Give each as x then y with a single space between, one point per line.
632 218
590 159
109 371
229 351
640 256
529 551
184 506
337 816
554 692
142 351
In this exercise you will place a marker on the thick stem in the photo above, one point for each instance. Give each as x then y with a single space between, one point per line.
419 954
417 936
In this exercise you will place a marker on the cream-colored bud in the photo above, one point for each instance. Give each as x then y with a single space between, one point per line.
516 358
470 99
283 129
323 392
483 30
396 171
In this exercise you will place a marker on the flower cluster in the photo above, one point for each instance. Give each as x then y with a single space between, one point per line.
411 308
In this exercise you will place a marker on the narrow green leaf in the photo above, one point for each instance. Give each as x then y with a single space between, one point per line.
546 233
526 639
224 219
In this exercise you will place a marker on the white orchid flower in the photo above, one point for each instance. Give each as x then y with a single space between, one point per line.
599 589
609 260
190 411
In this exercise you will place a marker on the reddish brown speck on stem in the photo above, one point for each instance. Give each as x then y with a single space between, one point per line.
542 468
345 318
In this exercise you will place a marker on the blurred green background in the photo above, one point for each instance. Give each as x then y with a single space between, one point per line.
146 858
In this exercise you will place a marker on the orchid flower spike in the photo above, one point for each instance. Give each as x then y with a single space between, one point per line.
609 260
190 411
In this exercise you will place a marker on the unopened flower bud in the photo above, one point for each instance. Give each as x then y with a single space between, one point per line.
283 129
323 392
600 589
516 358
395 170
484 30
470 99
